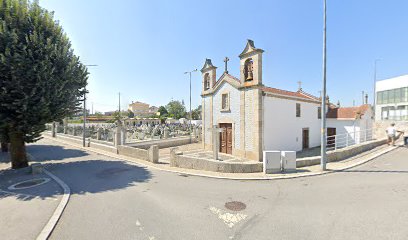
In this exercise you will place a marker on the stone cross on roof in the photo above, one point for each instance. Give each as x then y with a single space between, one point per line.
300 85
226 59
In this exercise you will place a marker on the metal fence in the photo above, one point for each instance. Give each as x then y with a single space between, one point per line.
335 142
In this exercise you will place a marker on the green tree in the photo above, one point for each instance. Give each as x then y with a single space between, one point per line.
196 113
41 80
176 109
130 114
163 111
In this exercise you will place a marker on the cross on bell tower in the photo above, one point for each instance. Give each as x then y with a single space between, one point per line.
226 59
300 85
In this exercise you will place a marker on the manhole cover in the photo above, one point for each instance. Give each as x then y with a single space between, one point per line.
235 206
29 183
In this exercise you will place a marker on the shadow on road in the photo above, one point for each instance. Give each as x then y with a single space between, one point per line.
48 152
91 175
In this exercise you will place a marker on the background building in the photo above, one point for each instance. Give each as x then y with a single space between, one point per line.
140 109
392 99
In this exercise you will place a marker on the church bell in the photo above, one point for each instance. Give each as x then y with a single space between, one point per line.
250 76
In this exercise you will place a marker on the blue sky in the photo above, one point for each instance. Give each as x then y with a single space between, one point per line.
142 48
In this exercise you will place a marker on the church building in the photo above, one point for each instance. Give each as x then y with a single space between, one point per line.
254 117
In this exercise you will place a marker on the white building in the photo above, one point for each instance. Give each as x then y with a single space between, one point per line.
392 99
254 117
351 125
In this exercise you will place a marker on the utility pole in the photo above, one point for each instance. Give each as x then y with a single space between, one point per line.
323 123
119 106
84 113
375 87
191 115
84 117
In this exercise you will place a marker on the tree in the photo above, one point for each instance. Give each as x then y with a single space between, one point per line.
130 114
163 111
176 109
41 79
196 113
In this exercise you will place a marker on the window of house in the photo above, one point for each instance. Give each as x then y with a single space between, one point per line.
319 112
225 102
297 109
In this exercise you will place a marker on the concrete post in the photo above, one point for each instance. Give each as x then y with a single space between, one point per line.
118 139
98 134
53 130
123 133
65 121
153 154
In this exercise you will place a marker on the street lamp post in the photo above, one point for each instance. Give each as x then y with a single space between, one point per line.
375 87
191 115
84 113
323 112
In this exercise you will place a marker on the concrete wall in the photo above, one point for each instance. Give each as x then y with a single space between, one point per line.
340 154
381 126
163 143
151 155
188 162
283 130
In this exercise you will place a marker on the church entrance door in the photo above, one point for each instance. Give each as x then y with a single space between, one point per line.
226 138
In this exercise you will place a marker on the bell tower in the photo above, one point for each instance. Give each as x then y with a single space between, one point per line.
251 65
208 75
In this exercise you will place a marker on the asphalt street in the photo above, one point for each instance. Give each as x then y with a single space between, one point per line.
114 199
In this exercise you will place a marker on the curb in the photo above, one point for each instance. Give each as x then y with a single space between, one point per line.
139 162
49 227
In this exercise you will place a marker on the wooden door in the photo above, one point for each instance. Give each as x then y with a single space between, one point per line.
331 140
305 138
226 138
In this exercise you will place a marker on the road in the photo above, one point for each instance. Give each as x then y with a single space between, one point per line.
113 199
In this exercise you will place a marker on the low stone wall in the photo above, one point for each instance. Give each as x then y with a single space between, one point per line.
381 126
177 159
151 154
340 154
163 143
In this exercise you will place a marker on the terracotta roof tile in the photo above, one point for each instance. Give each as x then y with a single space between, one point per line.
298 94
348 112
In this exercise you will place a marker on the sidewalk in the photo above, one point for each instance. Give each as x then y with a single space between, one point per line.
301 172
25 212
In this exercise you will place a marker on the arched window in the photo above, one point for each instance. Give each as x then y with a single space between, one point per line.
248 70
206 81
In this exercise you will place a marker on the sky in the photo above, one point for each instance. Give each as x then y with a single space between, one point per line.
143 47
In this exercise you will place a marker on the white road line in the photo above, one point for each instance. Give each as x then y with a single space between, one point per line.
49 227
230 219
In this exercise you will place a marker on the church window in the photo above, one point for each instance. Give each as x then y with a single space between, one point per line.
297 109
225 102
249 70
206 81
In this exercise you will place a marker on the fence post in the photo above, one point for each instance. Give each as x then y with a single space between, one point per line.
335 142
347 140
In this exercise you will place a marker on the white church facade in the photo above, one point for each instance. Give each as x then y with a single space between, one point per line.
254 117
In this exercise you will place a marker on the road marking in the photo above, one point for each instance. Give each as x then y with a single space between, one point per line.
230 219
137 223
26 196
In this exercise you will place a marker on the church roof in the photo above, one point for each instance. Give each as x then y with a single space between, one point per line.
298 94
348 112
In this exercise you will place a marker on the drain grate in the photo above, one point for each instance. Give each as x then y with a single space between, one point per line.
235 206
29 183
